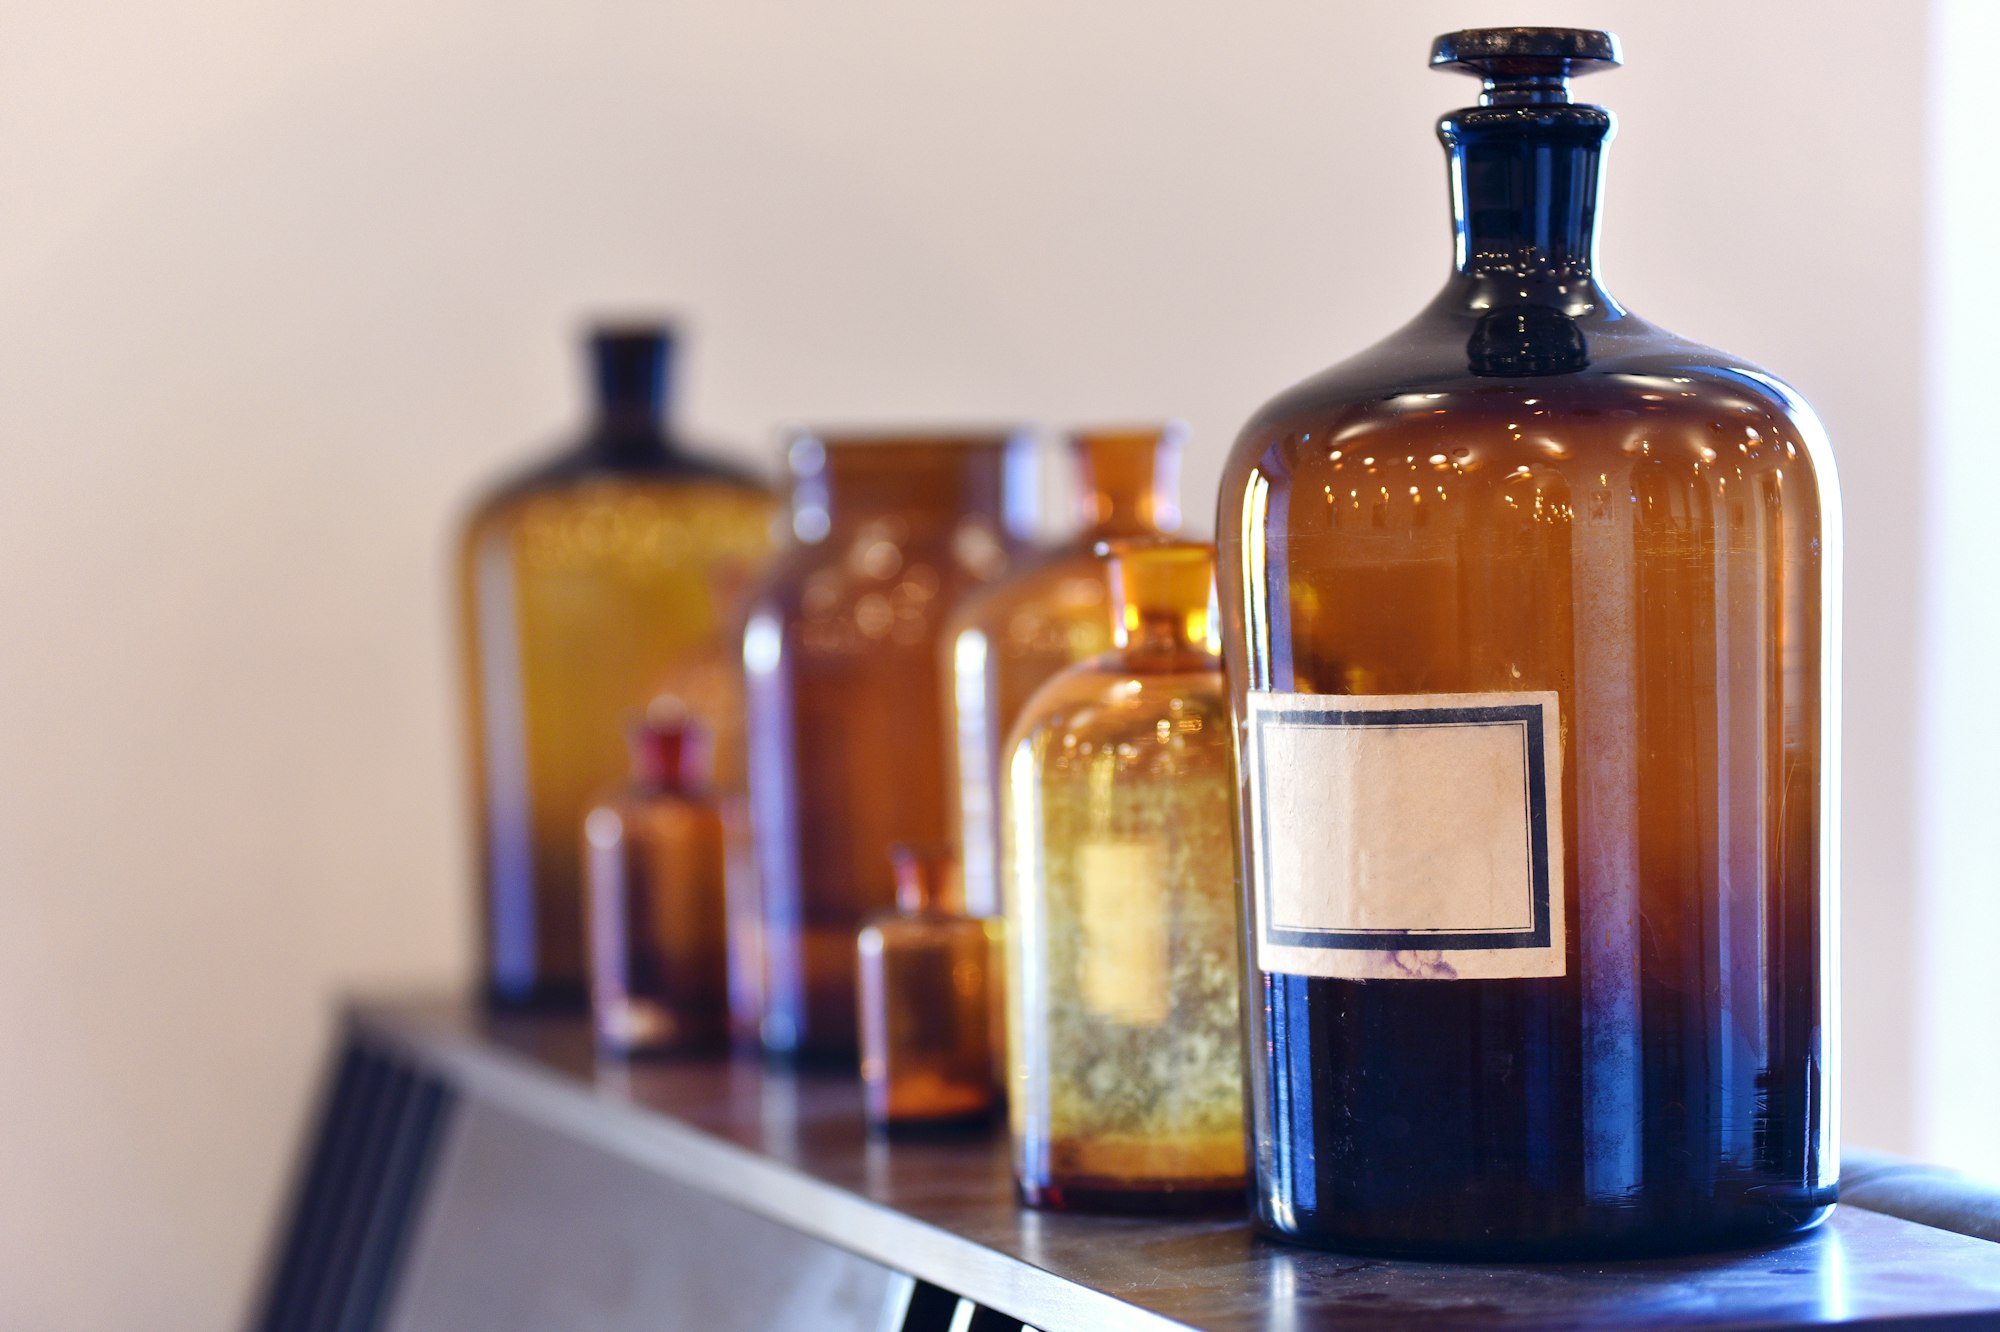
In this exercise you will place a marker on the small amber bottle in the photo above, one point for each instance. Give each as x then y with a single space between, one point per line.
653 873
925 995
1126 1089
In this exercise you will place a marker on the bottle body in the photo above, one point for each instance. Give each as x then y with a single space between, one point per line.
1125 1089
581 597
657 919
925 1019
1534 606
585 587
846 696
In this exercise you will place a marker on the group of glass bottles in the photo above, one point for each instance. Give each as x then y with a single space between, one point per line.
1471 836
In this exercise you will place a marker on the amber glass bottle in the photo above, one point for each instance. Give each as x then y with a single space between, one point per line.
1529 621
1055 611
585 584
653 876
846 712
1126 1085
926 995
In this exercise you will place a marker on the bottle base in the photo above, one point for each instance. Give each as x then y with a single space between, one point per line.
1130 1198
1771 1229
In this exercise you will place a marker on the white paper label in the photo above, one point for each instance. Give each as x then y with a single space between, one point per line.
1413 836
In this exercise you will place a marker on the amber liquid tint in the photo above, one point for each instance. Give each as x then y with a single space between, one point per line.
1126 1087
583 600
847 745
926 991
1005 641
655 904
1646 536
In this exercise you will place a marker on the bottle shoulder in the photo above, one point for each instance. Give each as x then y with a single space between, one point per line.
1112 694
1644 397
583 468
1065 579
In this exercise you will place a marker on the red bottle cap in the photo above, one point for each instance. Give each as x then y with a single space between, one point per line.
671 749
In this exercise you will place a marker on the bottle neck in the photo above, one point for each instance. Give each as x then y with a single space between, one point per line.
1127 482
1525 178
927 485
631 372
1163 598
926 878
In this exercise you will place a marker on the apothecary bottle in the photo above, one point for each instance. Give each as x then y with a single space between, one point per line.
926 993
653 896
583 585
846 692
1125 1089
1054 611
1530 620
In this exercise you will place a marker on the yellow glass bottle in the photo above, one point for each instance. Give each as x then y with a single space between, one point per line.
586 587
926 995
1004 642
1118 839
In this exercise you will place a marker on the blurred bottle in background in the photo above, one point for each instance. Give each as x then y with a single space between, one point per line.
926 990
584 584
1004 642
653 874
846 692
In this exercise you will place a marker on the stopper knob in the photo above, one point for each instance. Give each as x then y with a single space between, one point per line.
1526 64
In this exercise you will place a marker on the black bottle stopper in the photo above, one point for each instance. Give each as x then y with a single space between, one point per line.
1525 66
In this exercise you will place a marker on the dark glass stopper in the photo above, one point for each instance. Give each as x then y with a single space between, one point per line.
629 363
671 750
1526 65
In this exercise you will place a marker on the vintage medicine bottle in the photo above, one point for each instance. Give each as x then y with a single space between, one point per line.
926 991
1530 615
585 585
1126 1088
653 862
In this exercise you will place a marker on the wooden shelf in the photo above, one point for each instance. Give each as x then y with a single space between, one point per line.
480 1172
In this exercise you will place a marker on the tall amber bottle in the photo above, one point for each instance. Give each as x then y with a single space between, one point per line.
926 999
654 903
586 586
1530 626
846 701
1056 611
1126 1089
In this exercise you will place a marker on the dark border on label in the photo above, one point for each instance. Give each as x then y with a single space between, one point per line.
1536 776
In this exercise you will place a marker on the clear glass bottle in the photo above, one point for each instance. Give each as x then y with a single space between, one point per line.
1530 620
1126 1086
847 746
654 900
583 585
1003 642
926 994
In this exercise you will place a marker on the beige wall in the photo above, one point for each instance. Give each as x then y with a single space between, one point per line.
280 283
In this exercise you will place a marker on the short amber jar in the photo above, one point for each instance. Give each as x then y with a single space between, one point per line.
846 693
926 994
1118 837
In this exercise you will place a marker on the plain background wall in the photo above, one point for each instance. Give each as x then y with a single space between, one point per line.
279 285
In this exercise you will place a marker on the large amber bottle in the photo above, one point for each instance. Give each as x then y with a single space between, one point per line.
846 693
1126 1084
1055 611
1530 625
588 585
